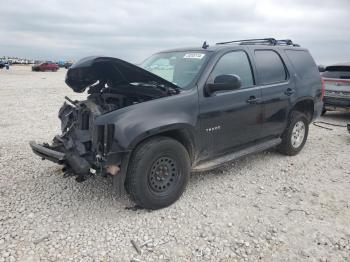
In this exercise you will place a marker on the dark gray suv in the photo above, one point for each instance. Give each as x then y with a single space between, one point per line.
183 110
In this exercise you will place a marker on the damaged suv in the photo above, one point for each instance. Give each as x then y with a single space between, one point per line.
184 110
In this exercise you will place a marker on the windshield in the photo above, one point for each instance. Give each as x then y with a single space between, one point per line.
180 68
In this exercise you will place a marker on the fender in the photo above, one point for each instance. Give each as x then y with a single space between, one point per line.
139 121
183 127
304 98
317 105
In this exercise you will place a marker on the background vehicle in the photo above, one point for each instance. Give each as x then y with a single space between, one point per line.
45 67
337 81
68 65
184 110
4 64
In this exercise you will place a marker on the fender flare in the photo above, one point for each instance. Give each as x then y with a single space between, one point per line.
182 127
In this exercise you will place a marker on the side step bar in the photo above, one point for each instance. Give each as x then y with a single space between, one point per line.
211 164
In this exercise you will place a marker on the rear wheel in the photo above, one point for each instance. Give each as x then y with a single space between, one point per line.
295 135
158 172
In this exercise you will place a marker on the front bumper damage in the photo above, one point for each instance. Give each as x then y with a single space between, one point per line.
83 148
73 163
87 143
47 153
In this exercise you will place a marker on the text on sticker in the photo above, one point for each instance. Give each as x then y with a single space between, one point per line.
194 55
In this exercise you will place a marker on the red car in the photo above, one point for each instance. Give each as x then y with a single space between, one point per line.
45 67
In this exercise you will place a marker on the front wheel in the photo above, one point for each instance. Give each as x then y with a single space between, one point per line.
295 135
158 172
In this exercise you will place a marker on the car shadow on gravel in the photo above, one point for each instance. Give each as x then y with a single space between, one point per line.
334 115
94 189
232 169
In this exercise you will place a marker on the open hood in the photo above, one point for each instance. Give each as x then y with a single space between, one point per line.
89 70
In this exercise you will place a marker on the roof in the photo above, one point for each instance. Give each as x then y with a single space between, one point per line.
215 48
260 43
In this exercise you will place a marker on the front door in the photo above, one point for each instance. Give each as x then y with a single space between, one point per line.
230 119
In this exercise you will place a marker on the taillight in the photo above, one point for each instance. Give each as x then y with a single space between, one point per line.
323 89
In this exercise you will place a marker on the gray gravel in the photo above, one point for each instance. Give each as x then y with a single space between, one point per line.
265 206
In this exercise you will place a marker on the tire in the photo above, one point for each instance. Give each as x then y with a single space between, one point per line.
158 172
292 142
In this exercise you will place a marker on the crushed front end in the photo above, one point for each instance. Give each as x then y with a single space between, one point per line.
83 146
111 84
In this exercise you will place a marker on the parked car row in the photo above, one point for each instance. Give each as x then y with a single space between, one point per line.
45 67
49 66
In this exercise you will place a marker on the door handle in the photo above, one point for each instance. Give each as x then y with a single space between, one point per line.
253 100
289 91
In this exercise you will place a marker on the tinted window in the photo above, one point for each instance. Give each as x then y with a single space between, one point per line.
235 63
303 63
270 67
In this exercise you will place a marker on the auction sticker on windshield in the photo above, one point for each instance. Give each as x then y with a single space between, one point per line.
194 55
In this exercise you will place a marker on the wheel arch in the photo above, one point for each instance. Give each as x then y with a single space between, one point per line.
183 133
304 105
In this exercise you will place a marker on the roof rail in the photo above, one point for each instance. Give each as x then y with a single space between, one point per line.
260 41
286 42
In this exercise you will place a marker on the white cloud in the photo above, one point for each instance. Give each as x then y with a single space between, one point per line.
134 29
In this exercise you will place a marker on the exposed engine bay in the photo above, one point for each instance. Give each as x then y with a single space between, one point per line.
111 84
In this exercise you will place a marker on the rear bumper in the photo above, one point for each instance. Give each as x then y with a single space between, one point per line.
336 103
47 153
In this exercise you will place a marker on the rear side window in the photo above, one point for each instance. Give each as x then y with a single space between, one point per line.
270 67
303 63
237 63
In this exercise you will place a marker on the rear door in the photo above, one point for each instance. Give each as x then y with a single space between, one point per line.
277 90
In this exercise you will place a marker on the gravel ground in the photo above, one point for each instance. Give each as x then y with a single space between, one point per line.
264 207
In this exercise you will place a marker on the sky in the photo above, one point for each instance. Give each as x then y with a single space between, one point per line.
133 30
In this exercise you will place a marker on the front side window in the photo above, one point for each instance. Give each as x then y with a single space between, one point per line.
270 67
236 63
180 68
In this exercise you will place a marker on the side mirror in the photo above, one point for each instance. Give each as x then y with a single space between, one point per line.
223 83
321 68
